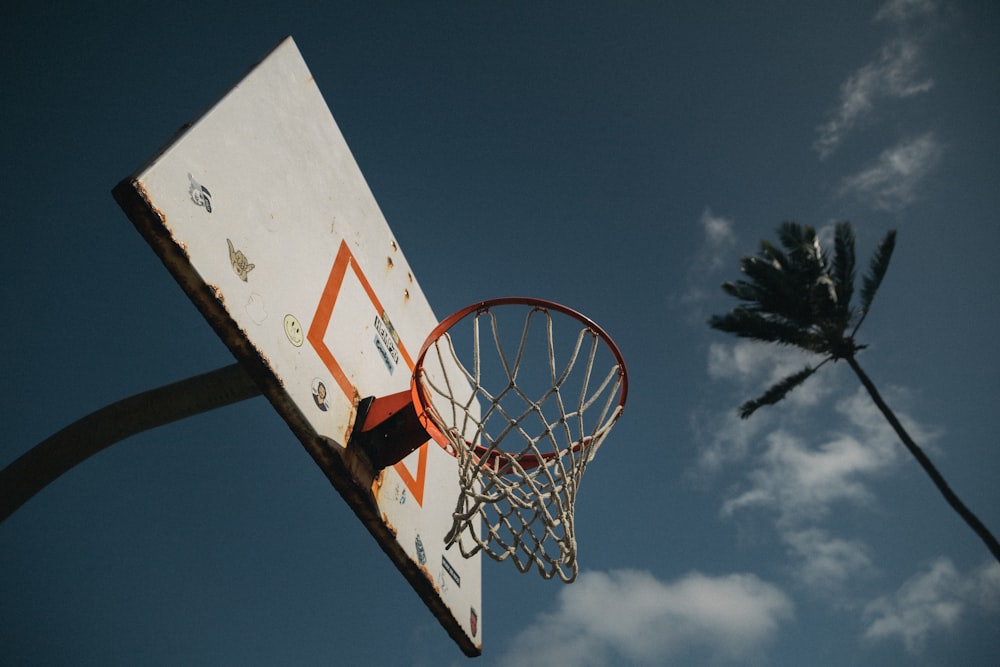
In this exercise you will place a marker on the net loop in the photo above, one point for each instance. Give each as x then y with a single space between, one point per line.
523 421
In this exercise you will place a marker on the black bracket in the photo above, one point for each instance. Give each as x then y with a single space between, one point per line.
387 429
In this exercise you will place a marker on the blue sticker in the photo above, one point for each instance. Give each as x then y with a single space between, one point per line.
421 554
387 341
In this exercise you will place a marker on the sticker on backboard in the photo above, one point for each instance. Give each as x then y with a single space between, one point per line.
319 394
241 265
199 194
256 309
293 330
421 554
450 569
386 341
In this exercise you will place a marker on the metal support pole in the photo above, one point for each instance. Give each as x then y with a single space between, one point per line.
49 459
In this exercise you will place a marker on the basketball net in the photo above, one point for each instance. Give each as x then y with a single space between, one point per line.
524 422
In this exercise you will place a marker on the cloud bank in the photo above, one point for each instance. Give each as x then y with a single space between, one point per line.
891 182
932 601
632 617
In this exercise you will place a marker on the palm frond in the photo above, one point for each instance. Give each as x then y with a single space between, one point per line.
780 283
772 256
843 265
763 271
774 289
742 290
776 392
749 323
794 236
808 260
876 272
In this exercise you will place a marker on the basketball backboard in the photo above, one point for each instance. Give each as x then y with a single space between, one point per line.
260 212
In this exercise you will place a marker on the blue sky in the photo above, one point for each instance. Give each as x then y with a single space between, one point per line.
618 159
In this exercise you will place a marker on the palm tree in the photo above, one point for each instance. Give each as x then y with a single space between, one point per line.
800 296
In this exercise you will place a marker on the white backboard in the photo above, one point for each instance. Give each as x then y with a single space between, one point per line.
260 212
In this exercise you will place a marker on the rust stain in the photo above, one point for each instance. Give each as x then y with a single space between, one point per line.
148 201
377 483
143 193
243 336
388 526
267 363
264 359
388 262
349 431
430 578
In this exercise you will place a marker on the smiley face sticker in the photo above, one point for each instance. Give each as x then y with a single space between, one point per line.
293 330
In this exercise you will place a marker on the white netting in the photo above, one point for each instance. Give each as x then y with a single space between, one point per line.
524 423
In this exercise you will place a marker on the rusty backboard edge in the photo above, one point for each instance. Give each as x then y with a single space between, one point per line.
352 476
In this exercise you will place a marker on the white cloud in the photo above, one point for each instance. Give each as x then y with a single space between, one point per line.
725 439
718 230
894 74
801 482
825 564
862 413
800 476
755 366
891 182
900 11
715 253
931 601
631 616
719 242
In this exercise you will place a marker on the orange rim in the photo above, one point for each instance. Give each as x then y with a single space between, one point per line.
429 418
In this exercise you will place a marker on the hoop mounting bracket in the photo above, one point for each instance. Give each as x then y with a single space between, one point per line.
387 429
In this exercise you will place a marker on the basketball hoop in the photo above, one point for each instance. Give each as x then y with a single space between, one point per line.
523 421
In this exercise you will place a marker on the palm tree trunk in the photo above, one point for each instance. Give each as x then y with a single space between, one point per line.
956 504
